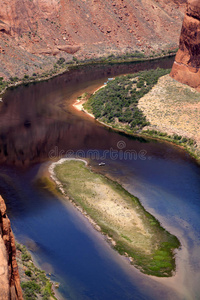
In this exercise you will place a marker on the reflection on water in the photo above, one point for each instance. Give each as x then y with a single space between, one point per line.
38 120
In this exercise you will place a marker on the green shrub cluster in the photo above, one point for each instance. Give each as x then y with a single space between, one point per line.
60 61
118 101
178 139
30 289
14 79
3 84
36 285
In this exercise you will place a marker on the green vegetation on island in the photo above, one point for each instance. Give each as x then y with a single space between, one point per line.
133 231
117 103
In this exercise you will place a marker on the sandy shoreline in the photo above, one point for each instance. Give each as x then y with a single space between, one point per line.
78 104
79 208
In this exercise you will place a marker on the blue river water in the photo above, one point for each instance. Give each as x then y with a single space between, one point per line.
62 241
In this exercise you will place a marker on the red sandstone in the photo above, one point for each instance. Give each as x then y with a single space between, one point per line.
186 68
48 29
9 276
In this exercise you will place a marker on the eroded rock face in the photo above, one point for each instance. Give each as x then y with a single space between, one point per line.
9 277
186 68
33 31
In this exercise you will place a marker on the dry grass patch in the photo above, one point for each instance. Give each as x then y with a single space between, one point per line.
173 108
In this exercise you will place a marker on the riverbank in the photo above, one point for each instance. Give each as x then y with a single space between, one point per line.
78 105
171 110
130 229
81 100
62 67
34 282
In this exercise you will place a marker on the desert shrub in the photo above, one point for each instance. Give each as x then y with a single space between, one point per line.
177 137
60 61
184 140
28 273
30 289
25 254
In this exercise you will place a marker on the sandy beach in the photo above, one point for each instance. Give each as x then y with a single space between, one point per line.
78 105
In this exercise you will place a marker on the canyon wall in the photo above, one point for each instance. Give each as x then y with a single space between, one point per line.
34 34
10 288
186 68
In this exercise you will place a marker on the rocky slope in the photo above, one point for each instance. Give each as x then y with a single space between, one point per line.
34 34
9 276
186 68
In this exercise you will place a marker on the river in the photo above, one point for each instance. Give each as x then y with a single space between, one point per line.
38 123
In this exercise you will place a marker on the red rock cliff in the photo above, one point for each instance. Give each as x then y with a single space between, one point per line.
10 288
35 33
186 68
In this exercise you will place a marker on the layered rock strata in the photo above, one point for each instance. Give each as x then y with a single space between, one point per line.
10 288
186 68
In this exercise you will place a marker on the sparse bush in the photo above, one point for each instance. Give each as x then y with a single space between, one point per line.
28 273
30 288
177 137
191 142
60 61
14 79
75 59
37 285
184 140
25 254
